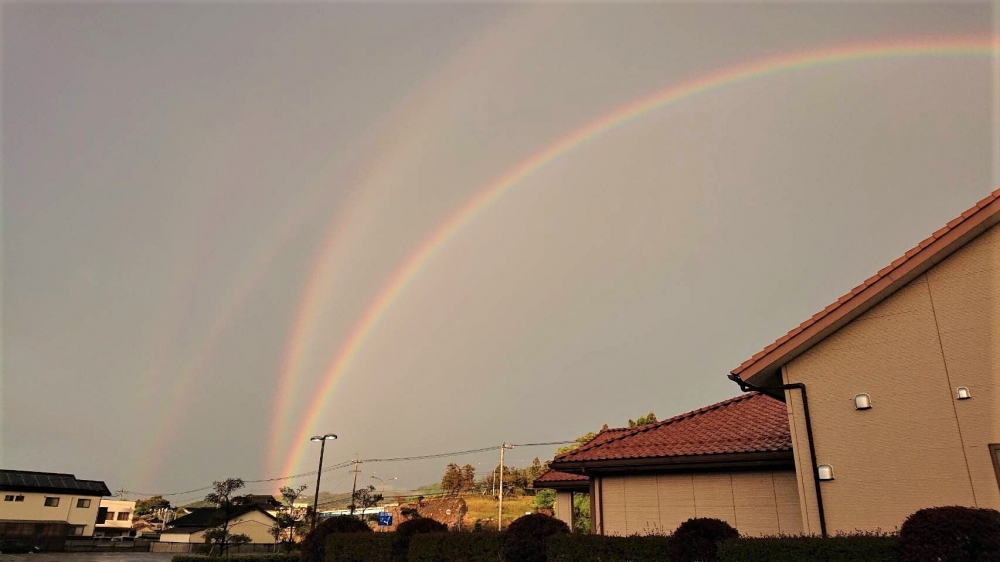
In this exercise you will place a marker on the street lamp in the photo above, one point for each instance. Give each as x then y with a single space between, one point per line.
319 474
383 481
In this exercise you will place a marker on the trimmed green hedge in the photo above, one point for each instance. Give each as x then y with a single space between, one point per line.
237 558
457 547
596 548
360 547
846 548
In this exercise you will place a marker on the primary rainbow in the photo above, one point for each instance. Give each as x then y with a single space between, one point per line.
429 247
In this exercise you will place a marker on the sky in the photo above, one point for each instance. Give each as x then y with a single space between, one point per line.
209 209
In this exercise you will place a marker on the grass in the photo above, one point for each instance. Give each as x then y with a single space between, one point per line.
485 507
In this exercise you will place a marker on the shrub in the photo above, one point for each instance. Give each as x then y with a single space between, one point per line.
860 547
597 548
315 542
359 547
406 530
949 534
526 536
697 540
466 547
238 558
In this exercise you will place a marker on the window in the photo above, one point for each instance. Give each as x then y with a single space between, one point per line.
8 498
76 530
110 516
51 502
19 498
123 516
82 503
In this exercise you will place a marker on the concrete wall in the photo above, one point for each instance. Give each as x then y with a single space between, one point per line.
918 446
33 509
755 502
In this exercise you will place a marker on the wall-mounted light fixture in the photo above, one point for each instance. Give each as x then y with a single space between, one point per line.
862 402
825 472
963 393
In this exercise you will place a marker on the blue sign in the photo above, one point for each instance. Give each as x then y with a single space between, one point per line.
384 519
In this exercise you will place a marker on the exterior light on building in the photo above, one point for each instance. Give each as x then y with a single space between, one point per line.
825 472
963 393
862 402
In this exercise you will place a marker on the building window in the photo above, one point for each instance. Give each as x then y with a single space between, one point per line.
8 498
76 530
123 516
82 503
51 502
110 516
19 498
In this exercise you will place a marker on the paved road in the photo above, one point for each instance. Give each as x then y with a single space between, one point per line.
88 557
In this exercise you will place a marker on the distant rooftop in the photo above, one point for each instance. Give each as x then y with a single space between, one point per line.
50 482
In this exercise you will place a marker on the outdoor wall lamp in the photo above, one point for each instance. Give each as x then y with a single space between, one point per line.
825 472
862 402
963 393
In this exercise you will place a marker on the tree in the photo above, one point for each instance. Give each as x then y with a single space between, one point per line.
579 442
468 478
545 498
148 505
287 522
451 482
365 498
643 420
224 497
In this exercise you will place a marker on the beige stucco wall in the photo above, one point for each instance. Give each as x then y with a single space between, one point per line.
116 507
33 509
564 507
918 446
756 503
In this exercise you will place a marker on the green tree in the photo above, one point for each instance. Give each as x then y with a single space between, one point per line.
545 498
365 498
467 478
451 482
223 495
287 524
148 505
643 420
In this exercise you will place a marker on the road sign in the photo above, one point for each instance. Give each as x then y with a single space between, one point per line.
384 519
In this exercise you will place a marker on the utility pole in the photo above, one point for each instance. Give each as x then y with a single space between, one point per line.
354 488
121 494
503 448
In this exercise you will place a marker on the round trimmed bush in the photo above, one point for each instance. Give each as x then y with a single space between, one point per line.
525 539
950 534
697 540
315 542
406 530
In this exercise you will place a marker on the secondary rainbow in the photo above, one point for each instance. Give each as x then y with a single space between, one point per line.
424 252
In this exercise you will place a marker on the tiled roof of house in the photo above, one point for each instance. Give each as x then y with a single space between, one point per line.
749 423
556 476
928 252
52 482
205 517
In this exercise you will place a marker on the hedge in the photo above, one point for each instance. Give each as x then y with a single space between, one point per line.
844 548
597 548
237 558
360 547
458 547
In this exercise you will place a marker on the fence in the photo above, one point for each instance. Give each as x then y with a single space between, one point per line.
106 545
187 548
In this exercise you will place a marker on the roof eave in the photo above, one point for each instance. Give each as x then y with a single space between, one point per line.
760 371
687 463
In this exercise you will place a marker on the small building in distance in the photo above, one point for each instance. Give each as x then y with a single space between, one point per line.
116 520
250 520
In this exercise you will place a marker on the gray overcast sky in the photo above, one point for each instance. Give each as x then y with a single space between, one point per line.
172 174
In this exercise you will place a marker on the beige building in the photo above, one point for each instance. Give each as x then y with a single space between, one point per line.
116 520
251 520
901 380
47 507
889 400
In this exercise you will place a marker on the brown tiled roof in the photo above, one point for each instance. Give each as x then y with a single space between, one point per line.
749 423
556 476
933 249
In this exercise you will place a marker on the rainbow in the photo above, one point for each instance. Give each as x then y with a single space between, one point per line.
424 252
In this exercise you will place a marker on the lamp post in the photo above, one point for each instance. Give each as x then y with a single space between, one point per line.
383 481
322 448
